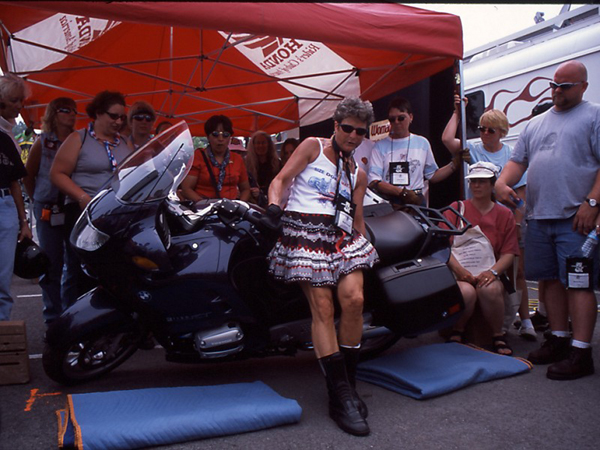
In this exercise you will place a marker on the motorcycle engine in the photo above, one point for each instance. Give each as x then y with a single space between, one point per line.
219 342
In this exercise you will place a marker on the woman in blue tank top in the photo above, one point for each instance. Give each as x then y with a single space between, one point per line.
58 123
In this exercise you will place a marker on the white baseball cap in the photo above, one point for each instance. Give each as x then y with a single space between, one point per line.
482 169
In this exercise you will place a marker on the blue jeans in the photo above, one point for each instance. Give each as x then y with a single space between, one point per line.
9 233
548 245
51 241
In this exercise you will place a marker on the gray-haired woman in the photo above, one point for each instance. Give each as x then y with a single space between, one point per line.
323 248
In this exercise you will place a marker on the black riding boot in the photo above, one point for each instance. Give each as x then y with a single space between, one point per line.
351 356
343 409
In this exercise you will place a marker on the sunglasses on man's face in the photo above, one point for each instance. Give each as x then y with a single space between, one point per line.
349 129
486 130
140 117
66 110
393 119
115 117
216 134
563 86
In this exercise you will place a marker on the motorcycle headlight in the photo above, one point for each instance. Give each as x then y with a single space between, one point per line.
89 238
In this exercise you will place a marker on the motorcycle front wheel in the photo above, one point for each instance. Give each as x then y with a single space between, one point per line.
90 356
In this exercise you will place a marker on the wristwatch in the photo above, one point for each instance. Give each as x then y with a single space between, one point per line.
592 201
494 272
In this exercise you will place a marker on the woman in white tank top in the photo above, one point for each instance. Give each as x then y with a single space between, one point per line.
324 249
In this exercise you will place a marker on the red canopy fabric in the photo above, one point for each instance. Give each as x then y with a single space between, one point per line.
269 66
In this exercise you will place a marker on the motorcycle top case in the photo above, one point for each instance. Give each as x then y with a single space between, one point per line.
420 296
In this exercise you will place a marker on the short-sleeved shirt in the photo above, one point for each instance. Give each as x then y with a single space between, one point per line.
11 166
562 152
235 173
415 149
499 158
498 225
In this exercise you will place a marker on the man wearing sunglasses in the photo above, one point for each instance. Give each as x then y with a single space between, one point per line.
561 151
401 162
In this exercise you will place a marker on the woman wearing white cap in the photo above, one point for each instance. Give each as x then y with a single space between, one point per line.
481 268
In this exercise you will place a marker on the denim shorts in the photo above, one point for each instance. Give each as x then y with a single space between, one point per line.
548 245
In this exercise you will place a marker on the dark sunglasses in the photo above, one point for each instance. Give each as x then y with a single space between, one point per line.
349 129
216 134
114 116
563 86
140 117
396 118
486 130
66 110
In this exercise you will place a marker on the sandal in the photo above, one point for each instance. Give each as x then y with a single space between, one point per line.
457 337
501 346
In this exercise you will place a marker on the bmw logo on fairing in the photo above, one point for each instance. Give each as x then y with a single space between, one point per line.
144 296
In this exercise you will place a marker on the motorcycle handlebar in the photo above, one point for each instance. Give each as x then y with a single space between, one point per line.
229 211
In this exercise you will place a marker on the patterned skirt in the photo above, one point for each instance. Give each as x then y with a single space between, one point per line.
313 249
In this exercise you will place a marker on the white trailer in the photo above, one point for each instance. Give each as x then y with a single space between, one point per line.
512 74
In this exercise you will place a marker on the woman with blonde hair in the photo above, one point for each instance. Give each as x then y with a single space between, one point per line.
263 165
58 123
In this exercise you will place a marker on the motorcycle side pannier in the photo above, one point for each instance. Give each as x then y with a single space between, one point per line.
420 296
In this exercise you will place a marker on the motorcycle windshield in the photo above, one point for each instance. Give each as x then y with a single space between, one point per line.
155 170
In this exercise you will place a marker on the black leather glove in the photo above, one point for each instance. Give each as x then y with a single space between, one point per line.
271 220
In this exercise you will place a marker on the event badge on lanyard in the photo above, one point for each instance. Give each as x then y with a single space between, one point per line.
344 208
399 173
579 273
344 213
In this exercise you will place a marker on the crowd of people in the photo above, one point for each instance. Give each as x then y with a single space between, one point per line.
324 250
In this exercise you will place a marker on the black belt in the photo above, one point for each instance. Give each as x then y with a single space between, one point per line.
5 192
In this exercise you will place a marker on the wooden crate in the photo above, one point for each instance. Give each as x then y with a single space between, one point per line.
14 358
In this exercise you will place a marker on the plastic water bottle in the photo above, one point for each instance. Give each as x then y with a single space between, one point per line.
588 247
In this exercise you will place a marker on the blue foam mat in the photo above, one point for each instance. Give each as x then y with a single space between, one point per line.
436 369
160 416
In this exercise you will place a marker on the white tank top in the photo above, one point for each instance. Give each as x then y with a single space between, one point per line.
313 189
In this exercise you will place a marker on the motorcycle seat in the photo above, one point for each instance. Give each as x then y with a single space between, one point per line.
396 236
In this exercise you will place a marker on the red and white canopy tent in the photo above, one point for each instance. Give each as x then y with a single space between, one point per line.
269 66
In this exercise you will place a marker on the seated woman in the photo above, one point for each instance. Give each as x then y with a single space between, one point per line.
493 127
497 224
217 172
263 165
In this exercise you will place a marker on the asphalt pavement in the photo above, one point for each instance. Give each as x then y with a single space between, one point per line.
527 411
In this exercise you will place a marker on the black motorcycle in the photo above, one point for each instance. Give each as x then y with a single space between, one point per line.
194 276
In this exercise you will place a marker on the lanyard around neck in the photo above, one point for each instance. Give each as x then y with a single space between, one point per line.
407 148
343 163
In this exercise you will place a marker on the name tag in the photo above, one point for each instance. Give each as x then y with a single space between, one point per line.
579 273
344 214
399 173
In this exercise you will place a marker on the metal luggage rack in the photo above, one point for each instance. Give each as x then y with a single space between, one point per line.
431 218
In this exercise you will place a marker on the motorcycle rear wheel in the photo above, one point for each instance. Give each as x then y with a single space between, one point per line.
372 347
89 357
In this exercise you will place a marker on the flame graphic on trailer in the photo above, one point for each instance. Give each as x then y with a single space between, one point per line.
513 73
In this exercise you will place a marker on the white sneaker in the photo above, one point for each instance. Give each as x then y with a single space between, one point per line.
528 333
